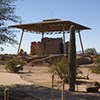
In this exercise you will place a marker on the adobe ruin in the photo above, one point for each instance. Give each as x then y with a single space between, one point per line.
49 46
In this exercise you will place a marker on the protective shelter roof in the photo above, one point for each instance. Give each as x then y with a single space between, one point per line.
50 25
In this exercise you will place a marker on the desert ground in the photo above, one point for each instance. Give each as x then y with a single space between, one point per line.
34 83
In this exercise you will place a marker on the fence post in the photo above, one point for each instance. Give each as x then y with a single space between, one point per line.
77 86
52 92
63 88
6 94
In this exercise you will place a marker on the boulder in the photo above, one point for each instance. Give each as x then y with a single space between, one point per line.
94 87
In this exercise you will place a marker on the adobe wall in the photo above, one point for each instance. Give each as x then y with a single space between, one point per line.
48 46
52 45
34 47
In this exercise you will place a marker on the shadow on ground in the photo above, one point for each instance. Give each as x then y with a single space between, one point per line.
25 92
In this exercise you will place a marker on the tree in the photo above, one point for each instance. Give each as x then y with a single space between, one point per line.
90 51
59 66
14 65
7 13
72 60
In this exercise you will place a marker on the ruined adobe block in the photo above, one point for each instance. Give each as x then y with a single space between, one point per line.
34 47
48 46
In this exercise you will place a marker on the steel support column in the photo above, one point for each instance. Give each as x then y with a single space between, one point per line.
20 41
42 35
81 42
64 42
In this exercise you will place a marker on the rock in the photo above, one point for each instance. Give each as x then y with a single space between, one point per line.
92 89
81 60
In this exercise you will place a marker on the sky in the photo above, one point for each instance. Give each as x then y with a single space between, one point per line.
84 12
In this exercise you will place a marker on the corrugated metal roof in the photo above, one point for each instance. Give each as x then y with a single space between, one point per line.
50 25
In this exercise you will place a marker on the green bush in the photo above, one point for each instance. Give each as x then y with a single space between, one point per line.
60 67
96 67
13 64
91 51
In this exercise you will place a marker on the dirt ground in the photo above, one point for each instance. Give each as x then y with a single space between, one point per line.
41 75
41 80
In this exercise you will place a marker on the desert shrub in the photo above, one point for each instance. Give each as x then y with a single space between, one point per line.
96 67
90 51
14 65
59 67
6 57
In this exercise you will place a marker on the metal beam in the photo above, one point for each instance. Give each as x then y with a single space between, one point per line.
42 35
81 42
64 42
20 41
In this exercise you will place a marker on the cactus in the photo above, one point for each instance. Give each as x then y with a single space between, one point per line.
72 60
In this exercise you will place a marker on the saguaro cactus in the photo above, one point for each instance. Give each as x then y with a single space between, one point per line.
72 60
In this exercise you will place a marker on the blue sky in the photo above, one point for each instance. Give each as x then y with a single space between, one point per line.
85 12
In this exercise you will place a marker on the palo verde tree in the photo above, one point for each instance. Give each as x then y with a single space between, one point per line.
7 14
72 60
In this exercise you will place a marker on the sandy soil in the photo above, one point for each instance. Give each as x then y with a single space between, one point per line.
38 83
11 79
40 75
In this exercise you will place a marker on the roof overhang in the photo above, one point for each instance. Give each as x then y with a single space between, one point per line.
51 25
